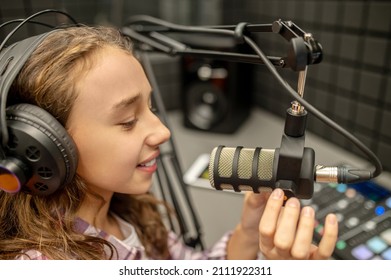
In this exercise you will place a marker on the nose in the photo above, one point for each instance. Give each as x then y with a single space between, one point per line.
159 133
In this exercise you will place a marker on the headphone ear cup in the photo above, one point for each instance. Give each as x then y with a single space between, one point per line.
44 145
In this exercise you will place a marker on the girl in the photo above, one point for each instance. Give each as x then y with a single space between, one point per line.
88 79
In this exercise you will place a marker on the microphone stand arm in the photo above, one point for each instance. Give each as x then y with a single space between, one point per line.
152 34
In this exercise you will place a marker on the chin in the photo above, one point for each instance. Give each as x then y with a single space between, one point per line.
139 189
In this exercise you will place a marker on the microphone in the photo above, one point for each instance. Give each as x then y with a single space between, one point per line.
257 169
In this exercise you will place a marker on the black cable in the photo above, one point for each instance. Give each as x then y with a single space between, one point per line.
171 27
28 19
375 160
4 24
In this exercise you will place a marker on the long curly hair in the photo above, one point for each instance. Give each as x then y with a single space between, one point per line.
47 224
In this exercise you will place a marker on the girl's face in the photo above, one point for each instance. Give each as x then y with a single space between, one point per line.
115 131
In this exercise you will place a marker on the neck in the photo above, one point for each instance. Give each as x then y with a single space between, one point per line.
95 211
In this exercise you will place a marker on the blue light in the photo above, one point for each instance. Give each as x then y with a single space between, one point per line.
379 210
342 188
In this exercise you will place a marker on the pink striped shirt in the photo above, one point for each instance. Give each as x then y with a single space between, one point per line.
178 249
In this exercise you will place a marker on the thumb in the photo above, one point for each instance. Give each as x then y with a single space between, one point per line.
254 204
256 200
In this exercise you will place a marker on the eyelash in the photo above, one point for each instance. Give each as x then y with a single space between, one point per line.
153 109
128 125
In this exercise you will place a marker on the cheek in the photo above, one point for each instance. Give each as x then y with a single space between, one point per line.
104 160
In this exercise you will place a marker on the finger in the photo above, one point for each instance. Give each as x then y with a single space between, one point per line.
329 238
256 200
254 205
268 223
301 248
286 230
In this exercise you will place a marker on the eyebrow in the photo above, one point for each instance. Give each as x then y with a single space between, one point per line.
126 102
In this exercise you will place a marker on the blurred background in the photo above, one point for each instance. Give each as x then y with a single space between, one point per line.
352 85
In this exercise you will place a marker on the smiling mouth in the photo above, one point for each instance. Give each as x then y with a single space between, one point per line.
150 163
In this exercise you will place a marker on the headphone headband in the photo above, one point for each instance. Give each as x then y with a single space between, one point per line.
12 59
37 154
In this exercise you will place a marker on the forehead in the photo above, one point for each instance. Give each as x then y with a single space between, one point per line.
114 75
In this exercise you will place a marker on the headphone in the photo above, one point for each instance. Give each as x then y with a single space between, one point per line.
37 155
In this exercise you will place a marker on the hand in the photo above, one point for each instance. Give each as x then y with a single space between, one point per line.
253 207
287 232
244 241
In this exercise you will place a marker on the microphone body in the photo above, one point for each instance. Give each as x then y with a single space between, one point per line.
258 169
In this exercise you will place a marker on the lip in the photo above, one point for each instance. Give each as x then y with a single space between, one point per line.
155 155
150 168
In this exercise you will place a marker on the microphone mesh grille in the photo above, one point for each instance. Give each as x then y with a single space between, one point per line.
226 157
211 167
244 168
265 164
225 166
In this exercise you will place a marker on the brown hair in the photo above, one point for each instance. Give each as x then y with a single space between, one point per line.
46 224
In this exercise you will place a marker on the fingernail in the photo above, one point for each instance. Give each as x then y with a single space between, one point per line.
277 194
308 211
332 219
293 203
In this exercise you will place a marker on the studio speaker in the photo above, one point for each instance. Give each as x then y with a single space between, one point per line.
216 94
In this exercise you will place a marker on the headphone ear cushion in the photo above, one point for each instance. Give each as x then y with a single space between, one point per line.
44 144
